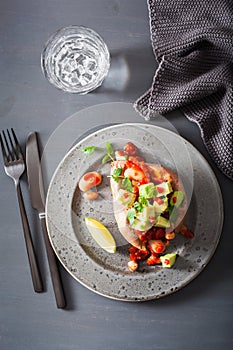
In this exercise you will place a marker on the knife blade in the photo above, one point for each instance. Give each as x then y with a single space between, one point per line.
37 196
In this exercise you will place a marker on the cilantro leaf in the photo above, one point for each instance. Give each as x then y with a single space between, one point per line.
106 159
117 172
131 214
143 201
127 184
89 149
115 178
138 206
109 152
109 148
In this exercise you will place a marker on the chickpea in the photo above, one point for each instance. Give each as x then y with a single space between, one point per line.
170 235
89 180
132 265
157 245
90 196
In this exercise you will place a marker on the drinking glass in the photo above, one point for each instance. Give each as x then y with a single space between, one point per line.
75 59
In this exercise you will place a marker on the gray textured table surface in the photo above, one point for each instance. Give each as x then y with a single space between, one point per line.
198 316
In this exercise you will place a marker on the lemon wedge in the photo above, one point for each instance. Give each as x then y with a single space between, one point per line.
101 235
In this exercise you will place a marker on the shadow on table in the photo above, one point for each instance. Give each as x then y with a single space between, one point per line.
130 71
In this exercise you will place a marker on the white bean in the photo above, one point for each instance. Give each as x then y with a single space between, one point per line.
89 180
90 196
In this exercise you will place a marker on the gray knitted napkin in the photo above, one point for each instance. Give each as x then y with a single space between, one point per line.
193 44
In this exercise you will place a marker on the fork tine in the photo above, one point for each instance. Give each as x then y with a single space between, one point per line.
13 149
9 156
18 148
3 150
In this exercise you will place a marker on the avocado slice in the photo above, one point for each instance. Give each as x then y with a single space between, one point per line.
162 222
164 188
168 260
160 204
177 198
147 190
145 219
147 214
141 225
125 197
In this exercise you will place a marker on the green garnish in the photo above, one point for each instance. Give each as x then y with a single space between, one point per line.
89 149
138 206
106 159
108 148
141 203
147 190
127 184
131 214
109 153
116 174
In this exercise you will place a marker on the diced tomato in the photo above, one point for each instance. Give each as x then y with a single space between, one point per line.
153 260
160 189
121 153
132 165
152 219
158 200
137 254
142 235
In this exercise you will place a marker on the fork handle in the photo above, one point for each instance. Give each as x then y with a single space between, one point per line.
53 266
35 272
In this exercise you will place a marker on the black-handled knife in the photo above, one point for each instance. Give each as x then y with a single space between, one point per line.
36 189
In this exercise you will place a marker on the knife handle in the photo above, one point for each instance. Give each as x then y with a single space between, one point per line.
35 272
53 266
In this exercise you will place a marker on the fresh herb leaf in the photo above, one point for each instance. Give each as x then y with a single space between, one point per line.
138 206
109 153
89 149
143 201
106 159
117 172
127 184
115 178
131 214
109 148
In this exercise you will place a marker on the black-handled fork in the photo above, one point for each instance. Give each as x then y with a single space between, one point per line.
14 166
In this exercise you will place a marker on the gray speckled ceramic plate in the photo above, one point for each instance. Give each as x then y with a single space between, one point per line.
107 274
